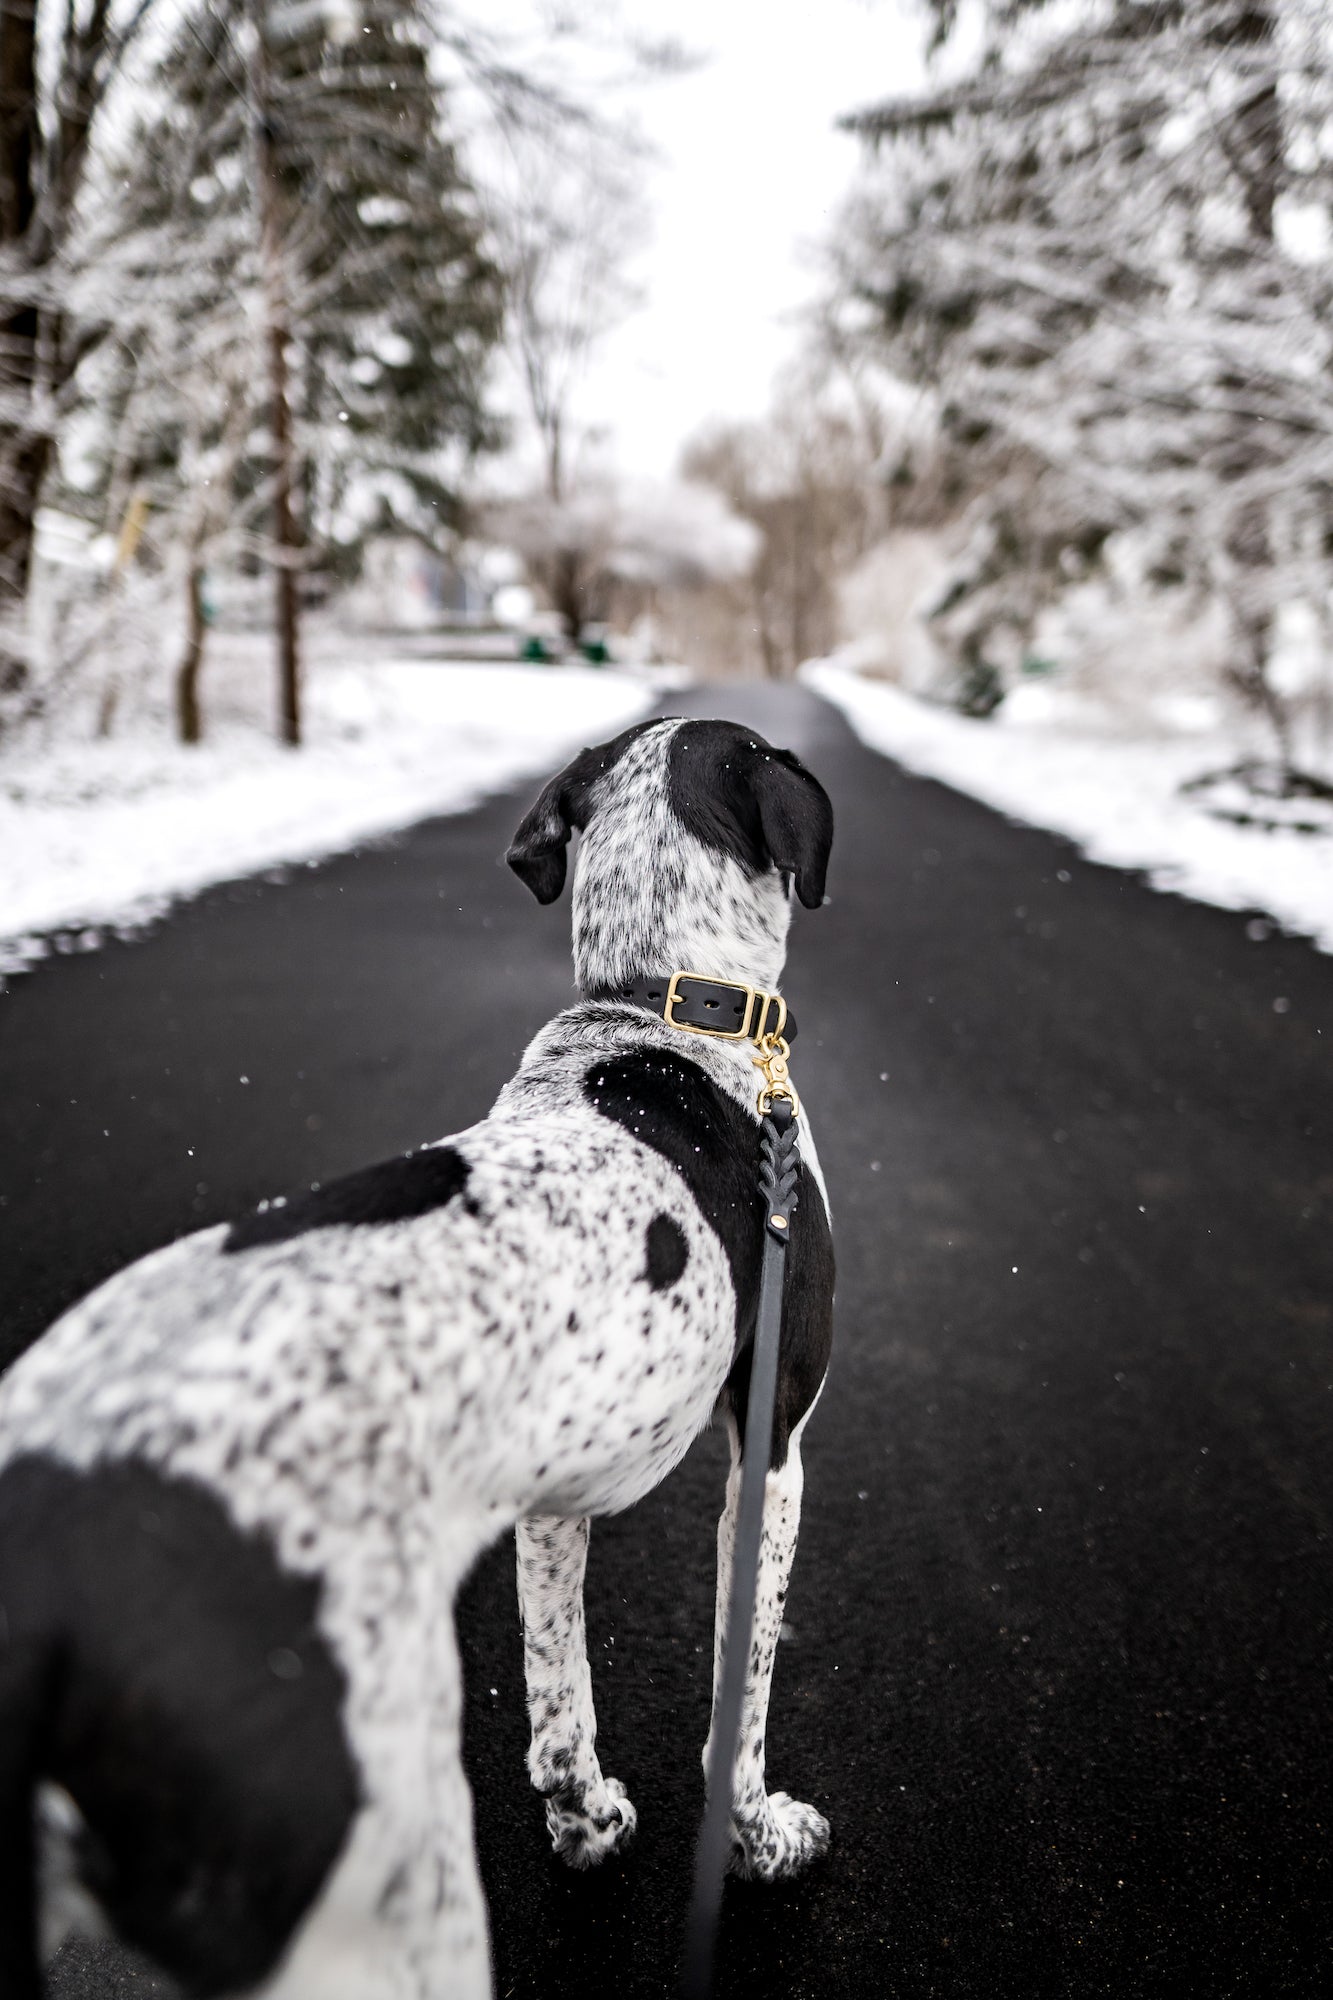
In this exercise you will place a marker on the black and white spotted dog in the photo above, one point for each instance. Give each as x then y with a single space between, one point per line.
241 1483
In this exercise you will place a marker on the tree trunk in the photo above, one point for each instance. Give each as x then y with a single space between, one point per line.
761 586
1252 678
42 166
1259 147
23 464
1257 119
567 592
188 717
23 455
286 540
18 117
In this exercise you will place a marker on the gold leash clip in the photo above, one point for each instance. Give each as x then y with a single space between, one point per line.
772 1060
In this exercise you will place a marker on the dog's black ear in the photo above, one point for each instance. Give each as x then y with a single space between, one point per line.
537 851
741 797
797 821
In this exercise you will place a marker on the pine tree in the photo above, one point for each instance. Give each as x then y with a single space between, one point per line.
294 208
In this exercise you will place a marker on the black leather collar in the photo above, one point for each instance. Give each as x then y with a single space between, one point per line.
722 1007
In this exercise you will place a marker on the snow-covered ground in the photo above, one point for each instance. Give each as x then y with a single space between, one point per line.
101 837
1045 760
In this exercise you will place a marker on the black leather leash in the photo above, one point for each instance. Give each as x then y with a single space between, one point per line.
779 1161
730 1010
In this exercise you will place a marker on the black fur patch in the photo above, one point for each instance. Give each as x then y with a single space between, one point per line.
163 1667
807 1323
667 1102
393 1191
668 1252
760 806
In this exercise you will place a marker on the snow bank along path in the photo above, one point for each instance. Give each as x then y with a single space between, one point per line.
1116 796
102 837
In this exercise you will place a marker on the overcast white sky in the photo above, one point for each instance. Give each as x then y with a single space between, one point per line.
751 168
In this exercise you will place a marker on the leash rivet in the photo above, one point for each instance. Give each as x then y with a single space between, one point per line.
778 1221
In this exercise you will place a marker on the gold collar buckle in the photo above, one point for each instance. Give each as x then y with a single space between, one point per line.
770 1042
752 994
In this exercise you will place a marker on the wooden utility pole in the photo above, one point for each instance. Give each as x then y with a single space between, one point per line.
277 329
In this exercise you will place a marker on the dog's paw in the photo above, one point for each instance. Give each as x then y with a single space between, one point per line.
783 1838
589 1822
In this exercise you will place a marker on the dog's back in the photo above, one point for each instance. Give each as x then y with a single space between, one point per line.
539 1312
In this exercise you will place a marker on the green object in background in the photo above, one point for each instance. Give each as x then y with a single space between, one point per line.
1034 664
534 647
980 688
596 652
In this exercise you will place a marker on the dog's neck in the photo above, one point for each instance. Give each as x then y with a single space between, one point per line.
650 898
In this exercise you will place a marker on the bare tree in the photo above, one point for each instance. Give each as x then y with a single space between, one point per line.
629 543
567 214
806 478
1075 246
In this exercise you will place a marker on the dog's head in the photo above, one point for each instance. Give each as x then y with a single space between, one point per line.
694 835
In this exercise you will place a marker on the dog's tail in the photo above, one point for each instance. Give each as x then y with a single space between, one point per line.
31 1570
25 1680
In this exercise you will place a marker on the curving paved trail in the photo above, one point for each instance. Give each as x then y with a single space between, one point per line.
1062 1620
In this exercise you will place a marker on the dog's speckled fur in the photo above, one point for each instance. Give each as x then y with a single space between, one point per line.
526 1328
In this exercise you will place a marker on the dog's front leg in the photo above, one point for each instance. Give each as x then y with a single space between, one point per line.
773 1834
588 1816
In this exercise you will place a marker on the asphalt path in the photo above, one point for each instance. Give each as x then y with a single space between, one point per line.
1059 1664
